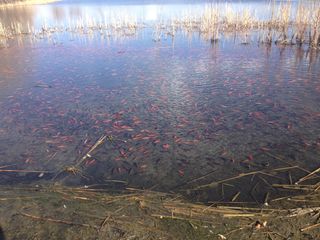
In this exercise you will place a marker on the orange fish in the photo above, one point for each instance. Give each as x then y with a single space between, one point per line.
257 115
177 139
265 149
166 146
122 153
90 162
136 120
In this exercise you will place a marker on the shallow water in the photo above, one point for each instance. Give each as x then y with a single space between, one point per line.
178 113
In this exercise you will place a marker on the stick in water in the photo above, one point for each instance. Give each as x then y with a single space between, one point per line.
97 144
308 176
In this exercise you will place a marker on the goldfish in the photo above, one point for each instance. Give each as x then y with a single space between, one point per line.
166 146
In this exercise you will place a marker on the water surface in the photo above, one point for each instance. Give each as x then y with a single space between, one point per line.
174 110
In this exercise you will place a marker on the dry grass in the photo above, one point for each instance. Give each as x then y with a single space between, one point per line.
102 209
286 25
6 4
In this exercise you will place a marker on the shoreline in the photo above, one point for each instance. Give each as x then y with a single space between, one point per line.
171 215
26 3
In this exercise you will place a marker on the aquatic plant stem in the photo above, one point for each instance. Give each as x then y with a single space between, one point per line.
310 227
212 184
24 171
100 141
308 176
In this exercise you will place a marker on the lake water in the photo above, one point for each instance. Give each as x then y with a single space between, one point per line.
178 113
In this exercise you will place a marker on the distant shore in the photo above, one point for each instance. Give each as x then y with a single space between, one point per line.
12 3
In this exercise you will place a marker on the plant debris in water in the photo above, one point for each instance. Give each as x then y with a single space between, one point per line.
144 139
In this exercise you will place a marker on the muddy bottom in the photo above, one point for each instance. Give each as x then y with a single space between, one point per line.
57 212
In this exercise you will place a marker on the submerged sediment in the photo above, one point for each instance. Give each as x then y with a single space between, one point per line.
95 212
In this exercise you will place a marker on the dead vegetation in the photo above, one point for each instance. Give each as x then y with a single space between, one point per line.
286 24
130 213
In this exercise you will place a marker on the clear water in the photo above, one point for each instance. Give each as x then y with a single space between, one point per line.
176 110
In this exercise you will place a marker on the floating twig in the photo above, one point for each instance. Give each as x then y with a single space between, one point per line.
100 141
290 178
235 196
24 171
241 175
308 176
266 199
5 166
310 227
